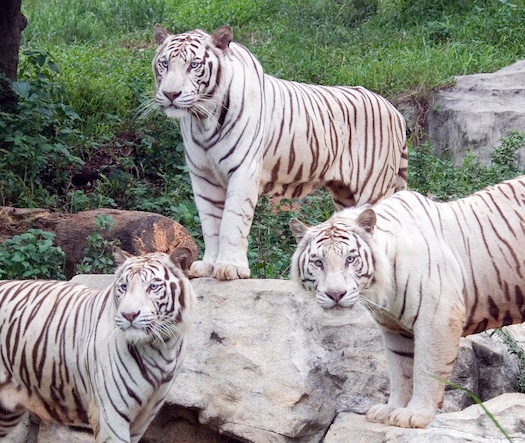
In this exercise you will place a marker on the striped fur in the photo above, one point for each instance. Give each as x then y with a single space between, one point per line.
247 133
105 359
428 273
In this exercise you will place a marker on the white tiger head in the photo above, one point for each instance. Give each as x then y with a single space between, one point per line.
336 261
154 298
187 70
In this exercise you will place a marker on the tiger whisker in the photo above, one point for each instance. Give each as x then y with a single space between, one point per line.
199 110
370 305
146 109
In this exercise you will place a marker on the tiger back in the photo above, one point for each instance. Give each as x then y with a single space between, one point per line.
79 356
428 273
247 133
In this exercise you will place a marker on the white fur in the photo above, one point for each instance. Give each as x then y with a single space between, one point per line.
75 355
442 270
247 133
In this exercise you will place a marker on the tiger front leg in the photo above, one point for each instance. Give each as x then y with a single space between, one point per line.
232 261
399 348
149 411
9 419
436 349
111 428
209 199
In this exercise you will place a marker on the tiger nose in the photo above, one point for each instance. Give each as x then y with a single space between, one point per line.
171 95
130 316
336 296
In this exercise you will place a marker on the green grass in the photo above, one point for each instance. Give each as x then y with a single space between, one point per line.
403 46
103 49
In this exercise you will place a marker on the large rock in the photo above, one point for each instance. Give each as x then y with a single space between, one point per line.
259 370
477 112
262 367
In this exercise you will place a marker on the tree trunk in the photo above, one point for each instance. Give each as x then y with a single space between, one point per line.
139 232
12 23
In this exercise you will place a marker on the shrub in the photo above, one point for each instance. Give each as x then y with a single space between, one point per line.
98 255
35 138
32 255
442 179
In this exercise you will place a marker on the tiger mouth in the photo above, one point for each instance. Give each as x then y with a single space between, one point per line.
176 108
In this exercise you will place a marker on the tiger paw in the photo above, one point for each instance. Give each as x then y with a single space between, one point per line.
409 418
226 271
200 269
379 413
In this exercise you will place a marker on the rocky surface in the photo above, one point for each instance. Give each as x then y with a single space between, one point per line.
262 367
477 112
470 425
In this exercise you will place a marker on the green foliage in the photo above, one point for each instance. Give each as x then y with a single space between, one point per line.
443 180
271 243
30 256
98 255
75 21
392 47
35 137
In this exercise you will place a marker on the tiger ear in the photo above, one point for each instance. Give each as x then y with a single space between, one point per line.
298 228
160 33
182 258
222 37
367 220
120 255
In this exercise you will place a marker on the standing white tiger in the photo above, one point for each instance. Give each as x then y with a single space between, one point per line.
75 355
247 133
428 273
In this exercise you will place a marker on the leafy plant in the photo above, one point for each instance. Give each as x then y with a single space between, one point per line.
98 257
35 156
442 179
270 242
32 255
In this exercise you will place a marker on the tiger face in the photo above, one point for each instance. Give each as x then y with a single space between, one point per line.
334 260
152 296
187 70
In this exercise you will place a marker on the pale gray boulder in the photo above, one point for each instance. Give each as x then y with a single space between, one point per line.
477 112
262 367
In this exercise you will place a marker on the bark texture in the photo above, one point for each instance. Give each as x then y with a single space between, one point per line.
138 232
12 23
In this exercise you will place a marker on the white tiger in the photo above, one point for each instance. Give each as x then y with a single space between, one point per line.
247 133
79 356
428 273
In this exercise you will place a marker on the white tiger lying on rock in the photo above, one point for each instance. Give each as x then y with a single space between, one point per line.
428 273
247 133
80 356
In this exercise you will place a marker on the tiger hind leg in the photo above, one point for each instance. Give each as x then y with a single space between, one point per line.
342 196
9 419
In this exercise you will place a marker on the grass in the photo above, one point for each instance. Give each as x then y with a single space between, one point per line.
403 46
